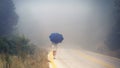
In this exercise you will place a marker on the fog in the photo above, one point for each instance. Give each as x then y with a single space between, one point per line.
82 22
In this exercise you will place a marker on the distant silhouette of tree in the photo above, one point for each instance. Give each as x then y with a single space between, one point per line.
8 17
114 36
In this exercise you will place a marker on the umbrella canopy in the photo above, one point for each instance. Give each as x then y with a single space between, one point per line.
56 38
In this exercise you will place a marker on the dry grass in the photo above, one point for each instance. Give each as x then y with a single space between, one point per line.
39 60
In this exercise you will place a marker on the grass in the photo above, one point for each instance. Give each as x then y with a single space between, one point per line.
38 60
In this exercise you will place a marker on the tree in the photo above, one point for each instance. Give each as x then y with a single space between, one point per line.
23 46
114 36
16 46
8 17
7 48
11 45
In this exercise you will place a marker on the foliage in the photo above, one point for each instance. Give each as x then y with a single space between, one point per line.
14 50
39 60
114 36
15 46
7 46
8 17
23 47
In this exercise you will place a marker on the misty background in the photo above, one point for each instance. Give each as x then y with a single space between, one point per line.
85 23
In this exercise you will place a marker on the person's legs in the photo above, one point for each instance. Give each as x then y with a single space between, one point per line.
54 53
54 48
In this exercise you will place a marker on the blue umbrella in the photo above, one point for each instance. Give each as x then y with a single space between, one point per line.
56 38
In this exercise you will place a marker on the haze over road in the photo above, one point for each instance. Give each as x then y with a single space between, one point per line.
79 58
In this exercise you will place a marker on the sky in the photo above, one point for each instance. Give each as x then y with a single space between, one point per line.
82 22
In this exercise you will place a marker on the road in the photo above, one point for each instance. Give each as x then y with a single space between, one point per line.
79 58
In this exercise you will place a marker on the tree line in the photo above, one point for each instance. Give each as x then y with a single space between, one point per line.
10 43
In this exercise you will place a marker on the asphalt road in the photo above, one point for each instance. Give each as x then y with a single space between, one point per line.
79 58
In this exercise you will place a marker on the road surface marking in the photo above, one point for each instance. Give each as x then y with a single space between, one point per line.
103 55
66 65
94 60
50 58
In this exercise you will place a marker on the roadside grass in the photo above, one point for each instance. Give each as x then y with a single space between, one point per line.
38 60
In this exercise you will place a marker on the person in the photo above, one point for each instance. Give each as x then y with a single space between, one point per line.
54 49
55 38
